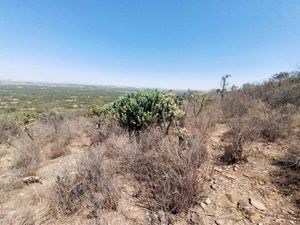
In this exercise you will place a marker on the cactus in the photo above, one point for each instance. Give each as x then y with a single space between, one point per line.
199 101
137 111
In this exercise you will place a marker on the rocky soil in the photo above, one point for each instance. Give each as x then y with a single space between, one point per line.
259 191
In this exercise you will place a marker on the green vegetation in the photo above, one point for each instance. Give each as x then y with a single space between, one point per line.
137 111
26 102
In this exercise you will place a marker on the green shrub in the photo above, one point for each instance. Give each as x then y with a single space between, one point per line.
137 111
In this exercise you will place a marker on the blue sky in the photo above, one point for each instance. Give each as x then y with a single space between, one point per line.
165 44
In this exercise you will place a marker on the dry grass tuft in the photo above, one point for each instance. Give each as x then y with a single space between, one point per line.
292 159
90 184
236 104
20 217
169 176
8 129
268 124
27 158
57 151
104 129
234 152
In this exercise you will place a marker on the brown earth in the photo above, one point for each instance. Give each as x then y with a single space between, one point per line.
259 191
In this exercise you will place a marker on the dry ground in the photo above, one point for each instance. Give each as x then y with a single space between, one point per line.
271 187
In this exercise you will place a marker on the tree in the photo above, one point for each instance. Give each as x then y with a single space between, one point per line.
224 84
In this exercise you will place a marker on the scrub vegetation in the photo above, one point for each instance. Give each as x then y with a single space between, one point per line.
97 155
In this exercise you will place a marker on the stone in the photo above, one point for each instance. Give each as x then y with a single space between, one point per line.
218 169
229 176
232 197
219 222
194 218
203 205
162 218
207 201
213 186
257 204
245 208
31 180
235 168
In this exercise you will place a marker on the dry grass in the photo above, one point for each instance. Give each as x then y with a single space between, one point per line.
236 104
104 129
234 152
200 127
8 129
27 158
57 150
292 159
168 176
276 96
20 217
269 124
89 184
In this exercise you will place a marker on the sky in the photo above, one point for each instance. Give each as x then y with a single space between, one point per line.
174 44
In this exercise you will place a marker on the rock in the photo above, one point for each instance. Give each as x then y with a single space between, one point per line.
194 218
203 205
162 218
152 217
257 204
207 201
136 215
248 175
31 180
229 176
219 222
218 169
213 186
232 197
245 208
261 182
235 168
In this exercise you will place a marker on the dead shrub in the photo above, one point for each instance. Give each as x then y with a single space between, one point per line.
57 150
104 129
150 138
27 158
234 152
52 130
200 127
169 176
269 124
89 184
276 96
60 128
292 159
8 129
235 104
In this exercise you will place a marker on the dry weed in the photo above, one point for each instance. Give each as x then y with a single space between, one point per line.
27 158
20 217
169 176
234 152
90 184
8 130
268 124
235 104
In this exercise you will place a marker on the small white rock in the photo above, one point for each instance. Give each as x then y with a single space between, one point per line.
257 204
208 201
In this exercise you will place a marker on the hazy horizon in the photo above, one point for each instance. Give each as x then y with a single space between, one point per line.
169 44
